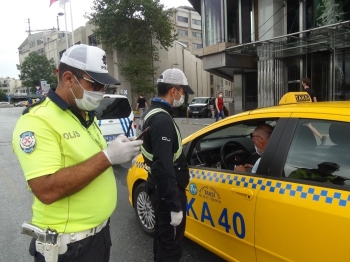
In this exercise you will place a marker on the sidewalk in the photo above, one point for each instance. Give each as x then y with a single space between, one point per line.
188 126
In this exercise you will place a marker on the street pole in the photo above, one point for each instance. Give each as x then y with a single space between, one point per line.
71 20
58 24
65 20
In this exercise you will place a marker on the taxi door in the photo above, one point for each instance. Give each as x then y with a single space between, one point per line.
220 212
298 219
221 208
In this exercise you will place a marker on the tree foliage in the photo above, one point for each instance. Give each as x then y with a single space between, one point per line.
2 96
136 29
36 67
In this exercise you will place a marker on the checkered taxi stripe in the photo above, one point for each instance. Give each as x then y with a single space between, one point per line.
141 165
328 196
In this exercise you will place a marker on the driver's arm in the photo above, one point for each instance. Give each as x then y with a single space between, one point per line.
244 168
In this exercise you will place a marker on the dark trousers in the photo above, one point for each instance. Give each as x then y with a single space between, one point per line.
92 249
219 114
167 239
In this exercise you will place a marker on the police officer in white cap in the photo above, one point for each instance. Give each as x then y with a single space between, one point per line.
168 174
67 163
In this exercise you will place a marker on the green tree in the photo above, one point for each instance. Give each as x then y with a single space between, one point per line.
2 96
36 67
136 29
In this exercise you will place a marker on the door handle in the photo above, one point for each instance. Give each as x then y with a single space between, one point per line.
244 193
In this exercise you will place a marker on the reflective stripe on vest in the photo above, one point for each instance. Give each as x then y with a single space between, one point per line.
148 155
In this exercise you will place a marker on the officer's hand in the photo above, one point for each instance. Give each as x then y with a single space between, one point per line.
176 218
122 150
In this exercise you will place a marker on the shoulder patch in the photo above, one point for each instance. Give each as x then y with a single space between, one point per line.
27 142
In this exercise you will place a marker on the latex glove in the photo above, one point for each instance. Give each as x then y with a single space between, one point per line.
122 150
176 218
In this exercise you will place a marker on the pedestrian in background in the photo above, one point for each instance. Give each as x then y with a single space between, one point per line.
66 162
306 82
168 173
141 104
219 107
29 101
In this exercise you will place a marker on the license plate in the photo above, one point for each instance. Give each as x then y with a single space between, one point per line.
110 138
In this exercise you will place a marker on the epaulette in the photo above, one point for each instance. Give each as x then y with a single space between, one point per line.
25 111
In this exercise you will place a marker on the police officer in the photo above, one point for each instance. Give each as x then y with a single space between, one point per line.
168 174
66 161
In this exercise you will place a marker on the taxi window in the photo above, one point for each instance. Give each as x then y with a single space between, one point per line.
320 152
210 149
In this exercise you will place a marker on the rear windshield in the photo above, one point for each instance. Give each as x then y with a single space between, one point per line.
201 100
111 108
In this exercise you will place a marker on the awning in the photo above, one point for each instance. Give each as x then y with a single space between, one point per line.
328 37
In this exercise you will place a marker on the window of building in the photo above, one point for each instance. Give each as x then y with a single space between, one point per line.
232 22
196 22
92 40
182 32
39 41
182 19
213 22
211 79
293 16
185 43
197 35
61 53
194 45
320 13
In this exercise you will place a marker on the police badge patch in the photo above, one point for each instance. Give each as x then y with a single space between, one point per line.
27 142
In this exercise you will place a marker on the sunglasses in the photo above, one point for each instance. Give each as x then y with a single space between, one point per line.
252 136
96 86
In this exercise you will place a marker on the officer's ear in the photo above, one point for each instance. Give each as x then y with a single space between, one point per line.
67 78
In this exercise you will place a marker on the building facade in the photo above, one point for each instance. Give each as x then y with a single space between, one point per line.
10 85
53 45
267 46
188 24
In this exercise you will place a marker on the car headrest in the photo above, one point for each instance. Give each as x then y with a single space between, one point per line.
339 133
305 139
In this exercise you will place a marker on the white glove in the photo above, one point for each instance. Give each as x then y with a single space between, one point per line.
122 150
176 218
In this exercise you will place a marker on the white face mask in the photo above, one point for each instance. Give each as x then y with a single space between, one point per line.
258 151
220 95
90 100
179 102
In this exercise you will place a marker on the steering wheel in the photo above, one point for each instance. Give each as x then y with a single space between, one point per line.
233 153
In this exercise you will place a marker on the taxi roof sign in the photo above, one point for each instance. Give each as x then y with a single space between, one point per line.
295 97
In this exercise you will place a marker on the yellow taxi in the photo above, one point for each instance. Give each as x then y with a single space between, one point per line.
296 207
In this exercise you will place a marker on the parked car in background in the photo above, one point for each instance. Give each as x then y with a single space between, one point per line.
4 104
20 104
114 116
201 106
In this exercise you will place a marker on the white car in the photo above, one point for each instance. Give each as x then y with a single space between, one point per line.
115 117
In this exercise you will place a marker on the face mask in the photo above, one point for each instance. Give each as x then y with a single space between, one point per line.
90 100
220 95
258 151
180 102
